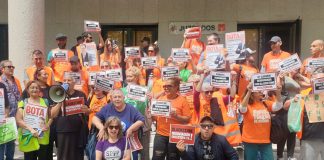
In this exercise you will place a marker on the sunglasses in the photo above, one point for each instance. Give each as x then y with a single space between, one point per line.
209 92
168 86
206 126
11 67
113 127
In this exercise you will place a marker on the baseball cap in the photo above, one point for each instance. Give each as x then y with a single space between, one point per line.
74 59
60 36
206 118
275 39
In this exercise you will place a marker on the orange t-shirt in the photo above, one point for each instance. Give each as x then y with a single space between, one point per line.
59 67
196 47
257 123
95 106
271 61
182 108
304 69
157 86
30 71
246 74
114 59
82 85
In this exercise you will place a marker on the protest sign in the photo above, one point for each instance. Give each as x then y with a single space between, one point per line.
35 116
115 74
91 26
289 64
180 54
93 76
235 44
149 62
314 104
193 33
73 106
318 85
76 76
264 81
60 55
133 52
186 89
134 142
214 58
137 92
89 54
8 130
170 72
182 132
2 105
220 79
160 108
104 83
314 63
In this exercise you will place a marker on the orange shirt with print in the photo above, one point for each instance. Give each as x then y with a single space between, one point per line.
59 67
271 61
181 106
304 69
257 123
95 106
245 76
114 59
83 84
196 47
30 71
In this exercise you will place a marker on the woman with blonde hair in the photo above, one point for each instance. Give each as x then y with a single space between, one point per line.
114 145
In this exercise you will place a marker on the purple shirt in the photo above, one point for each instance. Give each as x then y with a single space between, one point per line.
112 151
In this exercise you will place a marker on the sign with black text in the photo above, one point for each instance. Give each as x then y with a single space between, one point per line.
160 108
220 79
149 62
264 81
289 64
186 89
133 52
318 85
35 116
137 92
180 132
93 76
180 54
60 55
76 76
104 84
170 72
115 74
91 26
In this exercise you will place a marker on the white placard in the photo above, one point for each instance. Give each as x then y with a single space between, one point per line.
137 92
160 108
264 81
89 54
186 89
170 72
220 79
289 64
35 117
91 26
76 76
318 85
93 76
115 74
149 62
180 54
235 44
2 105
214 57
133 52
60 55
314 63
103 83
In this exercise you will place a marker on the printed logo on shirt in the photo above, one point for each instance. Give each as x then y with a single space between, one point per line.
261 116
196 49
123 126
113 153
274 64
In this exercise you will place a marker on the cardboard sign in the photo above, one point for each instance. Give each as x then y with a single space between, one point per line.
73 106
180 54
91 26
318 85
182 132
2 106
160 108
235 44
35 117
314 104
93 76
214 57
134 142
60 55
186 89
264 81
193 33
89 54
137 92
104 83
289 64
149 62
76 76
170 72
133 52
115 74
220 79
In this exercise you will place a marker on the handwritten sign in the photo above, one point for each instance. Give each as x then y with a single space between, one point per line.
186 89
235 44
182 132
73 106
133 52
318 85
180 54
137 92
160 108
265 81
193 33
314 105
170 72
149 62
115 74
91 26
289 64
214 57
104 84
220 79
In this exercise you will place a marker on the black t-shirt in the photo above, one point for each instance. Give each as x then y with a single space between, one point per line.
5 94
312 131
72 123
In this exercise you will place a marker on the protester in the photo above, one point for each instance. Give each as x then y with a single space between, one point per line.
38 60
145 42
208 145
114 145
195 46
58 58
81 77
317 51
79 40
111 53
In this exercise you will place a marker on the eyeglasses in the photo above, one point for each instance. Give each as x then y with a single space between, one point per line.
10 67
206 126
209 92
168 86
112 127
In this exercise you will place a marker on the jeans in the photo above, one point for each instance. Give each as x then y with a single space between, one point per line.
311 149
7 149
162 148
251 151
291 140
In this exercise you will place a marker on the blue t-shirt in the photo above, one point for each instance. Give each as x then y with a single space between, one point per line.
112 150
128 116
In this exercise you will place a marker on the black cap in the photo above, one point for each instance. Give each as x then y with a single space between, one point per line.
74 59
206 118
60 36
146 39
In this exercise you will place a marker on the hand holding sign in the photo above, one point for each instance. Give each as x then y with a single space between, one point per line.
91 26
